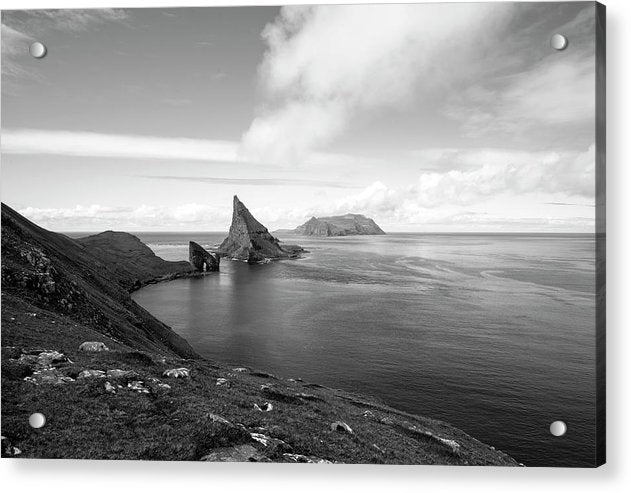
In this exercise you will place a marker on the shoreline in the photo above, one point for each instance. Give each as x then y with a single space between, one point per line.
155 397
369 401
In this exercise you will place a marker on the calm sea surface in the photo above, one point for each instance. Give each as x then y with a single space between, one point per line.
492 333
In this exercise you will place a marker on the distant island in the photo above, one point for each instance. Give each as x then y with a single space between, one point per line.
346 225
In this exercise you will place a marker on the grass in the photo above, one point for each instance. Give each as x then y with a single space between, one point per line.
86 421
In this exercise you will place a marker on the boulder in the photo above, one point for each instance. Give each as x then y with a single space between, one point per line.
451 445
274 446
303 459
48 358
48 376
215 418
177 373
341 426
8 449
236 453
265 407
157 386
125 374
91 374
138 386
93 347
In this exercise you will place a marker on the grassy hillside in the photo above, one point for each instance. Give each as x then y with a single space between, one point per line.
126 402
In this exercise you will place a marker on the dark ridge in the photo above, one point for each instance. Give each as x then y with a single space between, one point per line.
87 280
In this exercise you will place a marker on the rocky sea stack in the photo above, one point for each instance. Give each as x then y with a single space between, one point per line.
249 240
202 260
346 225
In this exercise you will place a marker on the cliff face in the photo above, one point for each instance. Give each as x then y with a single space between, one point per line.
130 259
202 260
249 240
346 225
89 283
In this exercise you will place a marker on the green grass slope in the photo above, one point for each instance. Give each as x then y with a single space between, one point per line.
125 402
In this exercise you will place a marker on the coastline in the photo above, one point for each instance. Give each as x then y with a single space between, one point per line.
154 396
164 278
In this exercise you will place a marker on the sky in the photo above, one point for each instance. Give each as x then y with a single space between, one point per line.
427 118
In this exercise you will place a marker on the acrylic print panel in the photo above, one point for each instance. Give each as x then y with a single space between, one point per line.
325 234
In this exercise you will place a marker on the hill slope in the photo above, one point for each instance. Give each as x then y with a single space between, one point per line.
53 272
126 402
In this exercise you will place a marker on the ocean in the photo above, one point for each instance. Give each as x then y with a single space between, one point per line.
494 333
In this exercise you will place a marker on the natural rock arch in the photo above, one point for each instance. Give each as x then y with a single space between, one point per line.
201 259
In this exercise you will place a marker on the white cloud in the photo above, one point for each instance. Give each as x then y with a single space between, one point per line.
549 94
510 172
73 20
29 141
14 45
95 217
494 188
497 172
326 63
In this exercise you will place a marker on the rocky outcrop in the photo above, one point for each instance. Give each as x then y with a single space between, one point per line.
250 241
88 281
133 262
202 260
346 225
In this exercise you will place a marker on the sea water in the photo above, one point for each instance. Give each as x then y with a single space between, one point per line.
492 333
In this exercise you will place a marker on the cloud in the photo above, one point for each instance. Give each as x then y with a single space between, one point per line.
39 22
73 20
510 172
28 141
15 44
482 190
498 173
326 64
21 28
91 144
547 97
265 182
550 96
95 217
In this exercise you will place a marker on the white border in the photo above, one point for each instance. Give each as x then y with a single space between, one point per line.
119 476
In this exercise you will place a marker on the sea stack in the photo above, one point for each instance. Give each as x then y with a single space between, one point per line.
346 225
250 241
202 260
